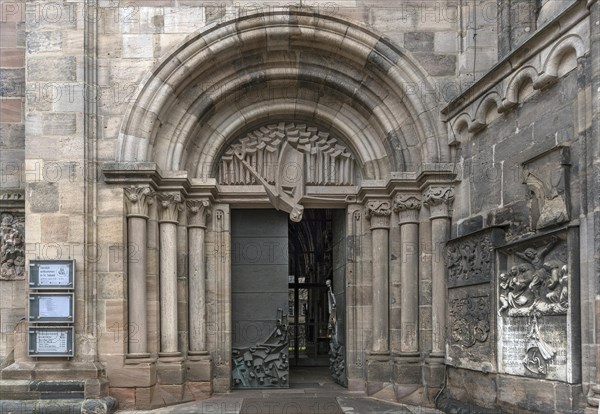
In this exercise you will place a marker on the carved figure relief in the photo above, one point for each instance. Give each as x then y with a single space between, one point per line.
469 261
284 158
546 178
12 247
337 360
535 285
266 364
470 318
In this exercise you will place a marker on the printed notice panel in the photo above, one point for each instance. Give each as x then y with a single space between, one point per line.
48 341
51 307
51 274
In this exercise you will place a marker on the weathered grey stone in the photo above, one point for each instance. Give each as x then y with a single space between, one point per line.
52 69
419 41
44 42
43 197
12 82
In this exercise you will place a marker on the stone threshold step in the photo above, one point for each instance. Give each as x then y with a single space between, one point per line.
41 390
106 405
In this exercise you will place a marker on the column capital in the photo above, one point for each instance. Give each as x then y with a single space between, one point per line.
439 200
407 206
379 212
138 199
169 206
198 210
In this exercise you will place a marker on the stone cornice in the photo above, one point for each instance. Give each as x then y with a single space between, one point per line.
12 201
536 44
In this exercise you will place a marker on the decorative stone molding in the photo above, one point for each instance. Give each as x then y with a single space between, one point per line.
407 206
12 247
169 206
439 200
138 199
198 211
379 213
540 62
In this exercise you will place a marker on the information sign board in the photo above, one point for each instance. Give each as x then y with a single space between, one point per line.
47 341
51 308
52 274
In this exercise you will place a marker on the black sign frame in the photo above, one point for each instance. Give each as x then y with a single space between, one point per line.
32 341
34 308
34 274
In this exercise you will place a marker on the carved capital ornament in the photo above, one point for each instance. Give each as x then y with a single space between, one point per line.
439 200
379 213
169 206
138 199
198 211
407 206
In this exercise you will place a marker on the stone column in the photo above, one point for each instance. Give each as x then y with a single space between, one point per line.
169 205
137 201
407 206
379 370
439 200
199 364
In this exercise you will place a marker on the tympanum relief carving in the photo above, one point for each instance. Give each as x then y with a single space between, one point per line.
284 158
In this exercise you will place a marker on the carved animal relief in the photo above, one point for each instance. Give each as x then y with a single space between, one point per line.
12 247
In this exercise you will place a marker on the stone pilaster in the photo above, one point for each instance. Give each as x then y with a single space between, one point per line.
170 368
137 200
439 200
199 361
379 213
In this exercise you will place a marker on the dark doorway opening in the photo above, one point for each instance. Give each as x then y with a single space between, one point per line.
316 260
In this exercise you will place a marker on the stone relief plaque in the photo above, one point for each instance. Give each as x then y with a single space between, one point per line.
470 258
47 341
12 247
471 336
534 305
471 311
51 274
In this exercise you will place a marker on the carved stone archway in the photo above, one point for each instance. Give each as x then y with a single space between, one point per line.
219 123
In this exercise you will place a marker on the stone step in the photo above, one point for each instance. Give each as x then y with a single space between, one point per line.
105 405
41 390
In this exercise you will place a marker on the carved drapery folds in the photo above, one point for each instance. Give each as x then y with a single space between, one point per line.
12 247
325 161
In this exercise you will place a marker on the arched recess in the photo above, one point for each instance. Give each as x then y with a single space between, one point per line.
284 65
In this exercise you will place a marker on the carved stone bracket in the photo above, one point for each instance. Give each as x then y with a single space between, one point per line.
12 247
439 200
379 213
138 199
198 211
169 206
407 206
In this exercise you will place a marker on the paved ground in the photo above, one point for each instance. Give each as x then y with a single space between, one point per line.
311 392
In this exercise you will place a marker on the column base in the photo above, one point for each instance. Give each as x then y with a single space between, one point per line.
199 367
170 369
408 369
379 367
434 371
